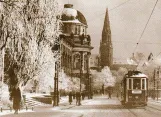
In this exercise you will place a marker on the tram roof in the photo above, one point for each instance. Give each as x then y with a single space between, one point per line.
135 74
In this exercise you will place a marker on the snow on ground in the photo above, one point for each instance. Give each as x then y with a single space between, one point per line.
6 112
35 94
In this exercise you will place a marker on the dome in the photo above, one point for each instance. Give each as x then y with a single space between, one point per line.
71 15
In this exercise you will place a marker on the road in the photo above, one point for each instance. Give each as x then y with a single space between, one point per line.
100 106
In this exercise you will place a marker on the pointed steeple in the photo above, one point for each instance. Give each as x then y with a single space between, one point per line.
106 28
106 49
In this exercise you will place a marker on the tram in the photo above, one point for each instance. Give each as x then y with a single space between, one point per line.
134 89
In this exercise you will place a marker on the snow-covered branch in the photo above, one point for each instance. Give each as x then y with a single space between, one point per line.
29 29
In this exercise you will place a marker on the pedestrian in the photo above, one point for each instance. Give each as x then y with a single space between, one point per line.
78 98
70 97
83 95
73 95
117 95
109 94
16 97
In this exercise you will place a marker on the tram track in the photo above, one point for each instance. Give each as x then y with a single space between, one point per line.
133 113
153 108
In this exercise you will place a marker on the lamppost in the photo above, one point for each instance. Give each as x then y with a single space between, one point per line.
88 77
81 69
56 50
90 87
103 88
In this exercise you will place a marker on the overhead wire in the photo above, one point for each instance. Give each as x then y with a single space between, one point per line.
145 26
99 16
135 42
102 14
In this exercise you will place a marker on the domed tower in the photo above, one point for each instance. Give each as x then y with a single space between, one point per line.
75 44
106 49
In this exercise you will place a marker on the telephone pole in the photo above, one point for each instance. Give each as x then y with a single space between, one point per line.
154 85
158 76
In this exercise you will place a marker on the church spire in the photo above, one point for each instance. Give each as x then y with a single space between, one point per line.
106 27
106 49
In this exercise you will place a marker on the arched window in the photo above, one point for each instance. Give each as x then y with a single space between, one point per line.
75 29
83 31
77 61
85 61
68 28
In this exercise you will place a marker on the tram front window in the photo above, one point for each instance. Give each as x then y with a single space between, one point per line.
137 84
143 84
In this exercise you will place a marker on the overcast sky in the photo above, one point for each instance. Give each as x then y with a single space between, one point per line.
127 19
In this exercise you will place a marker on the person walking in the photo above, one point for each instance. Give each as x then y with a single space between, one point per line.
109 93
16 97
78 98
74 95
83 95
70 97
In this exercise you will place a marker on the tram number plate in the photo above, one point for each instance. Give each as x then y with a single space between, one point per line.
136 91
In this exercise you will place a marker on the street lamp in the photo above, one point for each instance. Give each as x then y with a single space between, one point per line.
103 89
88 77
90 87
56 50
81 68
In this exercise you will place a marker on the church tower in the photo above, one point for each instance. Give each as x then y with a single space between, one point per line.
106 49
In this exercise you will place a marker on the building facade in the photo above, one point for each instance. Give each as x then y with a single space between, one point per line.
75 44
106 48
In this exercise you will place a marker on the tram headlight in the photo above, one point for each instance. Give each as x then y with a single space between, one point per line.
136 97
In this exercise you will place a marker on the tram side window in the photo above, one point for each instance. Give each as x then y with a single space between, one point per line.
130 84
137 84
143 83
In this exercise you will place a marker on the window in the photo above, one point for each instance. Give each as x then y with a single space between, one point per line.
130 83
143 83
77 61
68 29
137 84
76 30
85 62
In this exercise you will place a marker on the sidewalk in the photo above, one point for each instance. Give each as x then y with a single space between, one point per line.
152 101
64 104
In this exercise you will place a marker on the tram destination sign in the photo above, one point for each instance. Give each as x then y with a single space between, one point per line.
136 91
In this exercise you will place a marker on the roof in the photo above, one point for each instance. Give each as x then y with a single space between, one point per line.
72 15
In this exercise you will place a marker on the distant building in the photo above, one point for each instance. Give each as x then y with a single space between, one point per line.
106 48
123 63
127 66
94 62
